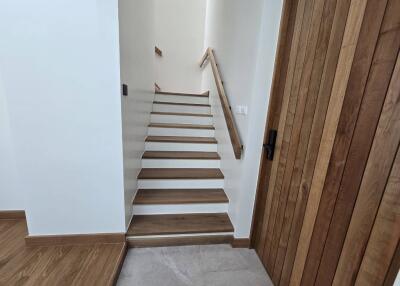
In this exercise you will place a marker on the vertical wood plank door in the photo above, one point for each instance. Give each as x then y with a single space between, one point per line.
327 206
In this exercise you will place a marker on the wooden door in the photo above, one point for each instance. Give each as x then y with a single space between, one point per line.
333 188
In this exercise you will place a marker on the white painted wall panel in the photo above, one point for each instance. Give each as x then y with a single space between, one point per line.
180 35
59 66
136 18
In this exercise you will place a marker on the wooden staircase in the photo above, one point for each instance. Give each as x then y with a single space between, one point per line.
180 198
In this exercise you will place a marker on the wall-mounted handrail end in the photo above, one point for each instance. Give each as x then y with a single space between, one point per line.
158 51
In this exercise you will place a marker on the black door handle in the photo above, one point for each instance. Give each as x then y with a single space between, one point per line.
270 146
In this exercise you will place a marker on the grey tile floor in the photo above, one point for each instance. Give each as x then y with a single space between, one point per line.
211 265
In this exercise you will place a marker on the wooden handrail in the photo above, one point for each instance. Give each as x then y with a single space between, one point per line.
230 122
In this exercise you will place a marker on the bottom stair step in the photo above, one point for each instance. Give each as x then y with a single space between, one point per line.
143 225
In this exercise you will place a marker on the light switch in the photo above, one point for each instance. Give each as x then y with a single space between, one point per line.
241 109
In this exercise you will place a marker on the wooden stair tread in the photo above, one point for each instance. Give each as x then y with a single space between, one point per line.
182 126
181 155
182 139
180 103
179 224
180 173
180 196
206 94
182 114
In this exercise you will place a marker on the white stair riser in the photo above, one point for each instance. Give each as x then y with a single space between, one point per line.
132 238
159 131
181 184
179 209
181 108
164 146
158 118
181 99
180 163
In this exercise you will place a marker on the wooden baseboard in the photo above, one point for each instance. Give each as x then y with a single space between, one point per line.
118 266
14 214
179 241
241 243
74 239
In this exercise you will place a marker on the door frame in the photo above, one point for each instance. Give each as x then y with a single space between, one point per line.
286 28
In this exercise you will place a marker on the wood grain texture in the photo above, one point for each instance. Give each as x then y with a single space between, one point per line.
229 118
12 214
240 243
55 265
181 155
311 84
353 25
142 225
180 196
360 70
324 93
182 139
394 267
74 239
179 173
359 151
274 108
292 131
385 233
296 132
279 148
179 241
380 161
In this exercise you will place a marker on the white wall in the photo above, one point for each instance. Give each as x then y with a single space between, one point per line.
244 37
59 66
180 35
10 196
136 19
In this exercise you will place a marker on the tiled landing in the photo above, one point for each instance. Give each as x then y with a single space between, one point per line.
211 265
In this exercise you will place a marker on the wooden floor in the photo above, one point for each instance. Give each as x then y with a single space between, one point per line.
55 265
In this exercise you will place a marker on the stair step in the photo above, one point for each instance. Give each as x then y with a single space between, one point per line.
179 173
180 196
181 155
182 114
206 94
182 106
181 103
143 225
182 126
182 139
